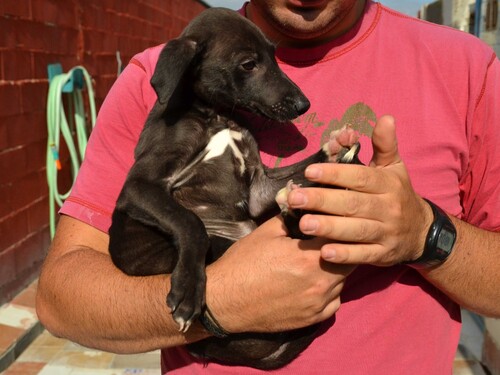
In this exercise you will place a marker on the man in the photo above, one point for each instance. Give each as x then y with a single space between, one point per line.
355 60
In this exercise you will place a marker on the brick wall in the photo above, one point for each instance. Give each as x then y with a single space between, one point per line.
33 34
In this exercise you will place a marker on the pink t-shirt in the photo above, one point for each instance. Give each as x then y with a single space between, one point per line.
442 86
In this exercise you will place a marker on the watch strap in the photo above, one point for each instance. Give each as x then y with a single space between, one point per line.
211 324
433 254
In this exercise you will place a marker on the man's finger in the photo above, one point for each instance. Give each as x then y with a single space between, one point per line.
354 177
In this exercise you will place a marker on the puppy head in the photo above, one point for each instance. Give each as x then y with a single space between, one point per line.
226 61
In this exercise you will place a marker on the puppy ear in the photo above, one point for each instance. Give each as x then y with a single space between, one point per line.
173 62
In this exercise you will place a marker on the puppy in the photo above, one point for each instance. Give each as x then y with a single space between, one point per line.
198 184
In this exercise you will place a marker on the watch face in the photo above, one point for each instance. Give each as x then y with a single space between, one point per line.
446 240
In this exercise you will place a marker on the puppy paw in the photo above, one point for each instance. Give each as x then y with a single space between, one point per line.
282 196
343 146
290 217
187 295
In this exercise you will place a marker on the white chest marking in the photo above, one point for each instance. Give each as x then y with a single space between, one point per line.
219 143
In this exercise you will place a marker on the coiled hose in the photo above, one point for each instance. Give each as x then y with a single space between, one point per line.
57 125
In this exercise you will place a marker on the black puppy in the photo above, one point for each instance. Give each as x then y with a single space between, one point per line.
198 184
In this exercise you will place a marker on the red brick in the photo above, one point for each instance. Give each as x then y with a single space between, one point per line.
28 189
10 100
42 183
105 4
146 13
34 96
60 13
130 7
30 252
162 33
16 8
4 141
41 59
37 36
110 43
7 266
13 164
110 22
29 35
90 63
13 228
22 129
38 215
93 17
135 27
8 30
106 64
36 153
6 202
148 32
129 46
18 162
17 65
93 41
62 41
124 25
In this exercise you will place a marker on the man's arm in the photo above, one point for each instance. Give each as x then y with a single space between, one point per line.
265 282
82 296
380 220
471 275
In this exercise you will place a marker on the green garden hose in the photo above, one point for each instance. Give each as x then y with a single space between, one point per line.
57 125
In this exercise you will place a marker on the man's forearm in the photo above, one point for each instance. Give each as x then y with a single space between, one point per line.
112 312
471 275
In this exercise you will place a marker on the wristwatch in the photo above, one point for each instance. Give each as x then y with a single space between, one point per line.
439 241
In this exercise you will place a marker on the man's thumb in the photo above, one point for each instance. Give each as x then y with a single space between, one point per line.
385 144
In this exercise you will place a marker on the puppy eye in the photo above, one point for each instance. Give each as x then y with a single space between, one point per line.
249 65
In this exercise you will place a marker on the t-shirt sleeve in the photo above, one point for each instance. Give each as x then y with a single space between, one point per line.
480 187
110 150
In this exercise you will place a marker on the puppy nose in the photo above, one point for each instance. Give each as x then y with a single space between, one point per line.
302 105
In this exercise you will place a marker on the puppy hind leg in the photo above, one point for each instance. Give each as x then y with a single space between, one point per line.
138 249
188 239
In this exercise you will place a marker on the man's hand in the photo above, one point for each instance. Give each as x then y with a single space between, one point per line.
268 282
375 217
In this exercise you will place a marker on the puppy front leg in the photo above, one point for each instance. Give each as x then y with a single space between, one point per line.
186 298
343 147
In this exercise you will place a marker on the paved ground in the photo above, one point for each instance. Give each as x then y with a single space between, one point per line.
26 349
